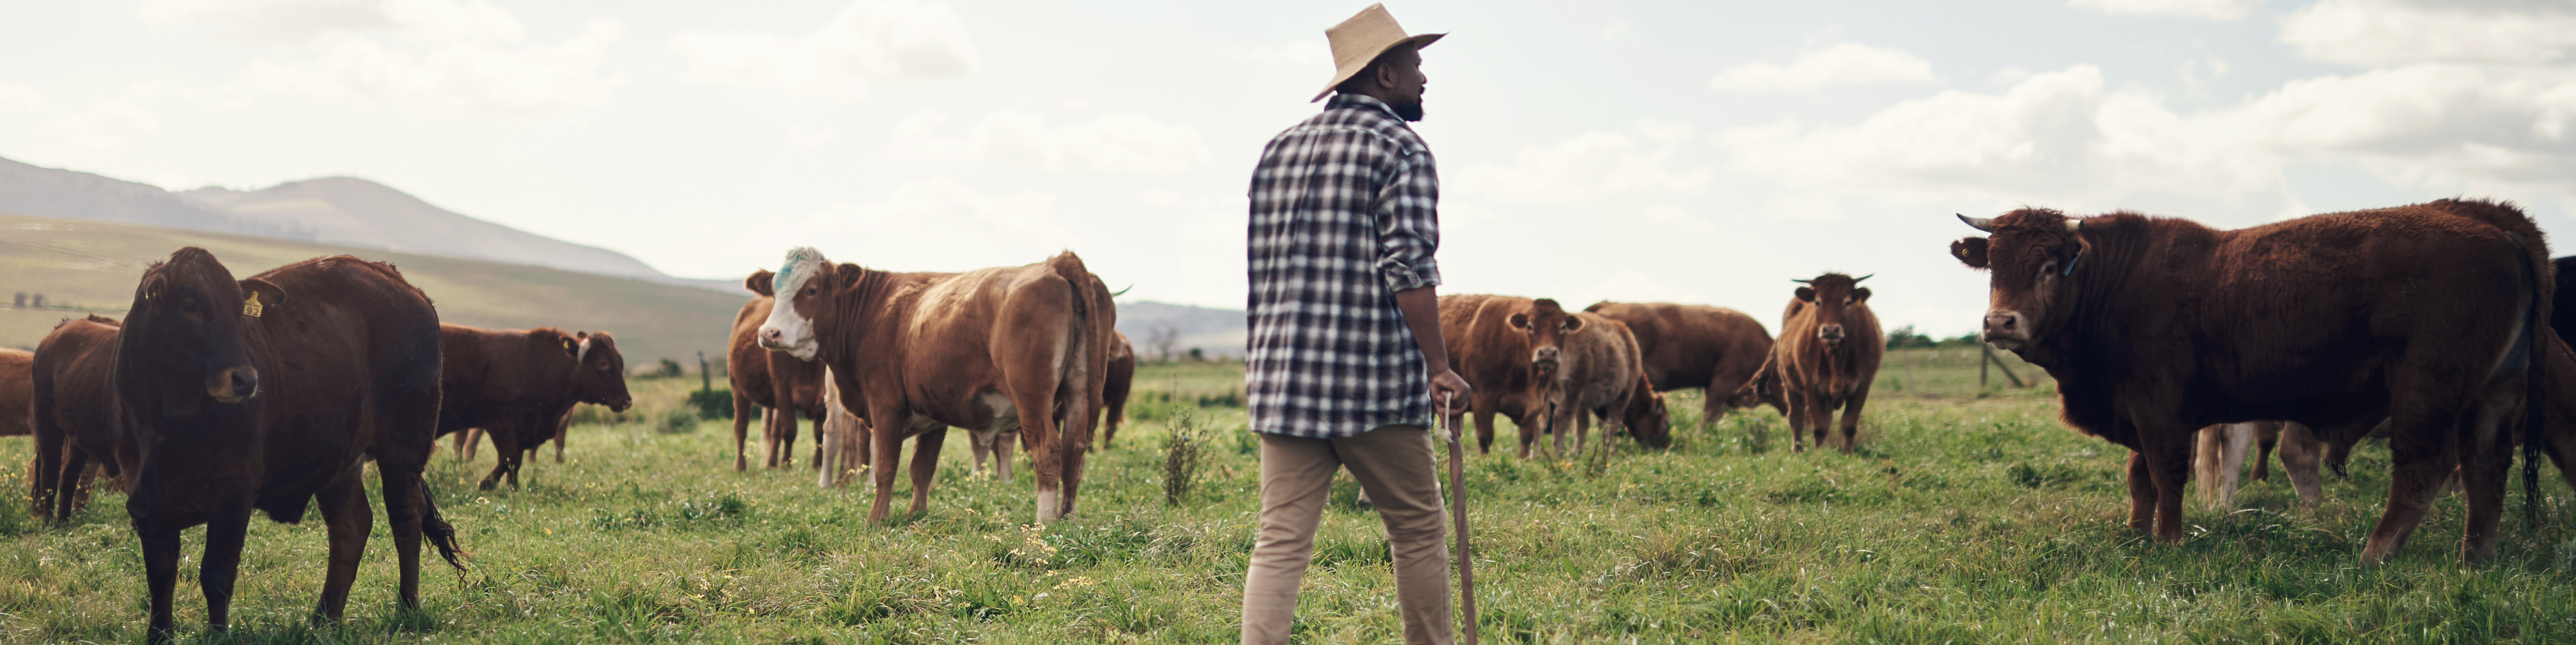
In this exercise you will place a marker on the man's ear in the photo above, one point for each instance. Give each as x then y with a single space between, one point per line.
1970 251
759 282
268 293
1518 321
1860 294
1807 294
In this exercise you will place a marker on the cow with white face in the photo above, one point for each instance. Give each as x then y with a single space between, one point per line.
1017 349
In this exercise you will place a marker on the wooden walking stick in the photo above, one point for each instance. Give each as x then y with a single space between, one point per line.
1458 500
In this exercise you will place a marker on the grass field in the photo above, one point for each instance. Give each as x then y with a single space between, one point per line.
1967 516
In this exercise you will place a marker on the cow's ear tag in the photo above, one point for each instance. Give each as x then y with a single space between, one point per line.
571 347
251 307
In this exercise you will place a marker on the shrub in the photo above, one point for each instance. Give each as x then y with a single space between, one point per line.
677 421
1180 459
712 404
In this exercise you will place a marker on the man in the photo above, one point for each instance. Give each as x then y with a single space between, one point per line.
1345 359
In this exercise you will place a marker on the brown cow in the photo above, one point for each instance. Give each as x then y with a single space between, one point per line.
75 416
1598 373
1700 346
1825 360
1004 349
1504 346
1122 379
17 387
772 381
271 393
519 384
2428 315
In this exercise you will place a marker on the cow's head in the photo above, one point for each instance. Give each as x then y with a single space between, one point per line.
1645 416
599 372
184 341
1547 324
2030 254
1829 295
803 287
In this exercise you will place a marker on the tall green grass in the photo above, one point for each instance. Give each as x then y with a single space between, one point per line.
1961 519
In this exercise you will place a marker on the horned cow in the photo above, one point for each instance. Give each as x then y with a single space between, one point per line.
2428 316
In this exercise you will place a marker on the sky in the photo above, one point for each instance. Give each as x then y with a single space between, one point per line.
1703 152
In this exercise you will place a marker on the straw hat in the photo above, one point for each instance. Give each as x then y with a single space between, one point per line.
1359 40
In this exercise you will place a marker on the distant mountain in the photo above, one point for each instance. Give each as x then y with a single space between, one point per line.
342 211
88 266
1214 332
348 211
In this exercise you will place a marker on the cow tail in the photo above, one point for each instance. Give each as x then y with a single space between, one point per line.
440 533
2533 409
1079 350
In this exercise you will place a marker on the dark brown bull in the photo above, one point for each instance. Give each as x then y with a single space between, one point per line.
518 385
2425 315
75 415
17 387
1018 349
271 393
1687 346
1504 347
1598 374
1825 360
769 380
466 441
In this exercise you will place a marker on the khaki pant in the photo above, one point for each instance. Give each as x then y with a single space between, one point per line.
1394 465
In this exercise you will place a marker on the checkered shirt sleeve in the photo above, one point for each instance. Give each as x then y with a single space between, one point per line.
1344 214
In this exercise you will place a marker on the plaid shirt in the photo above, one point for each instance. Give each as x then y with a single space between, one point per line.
1344 214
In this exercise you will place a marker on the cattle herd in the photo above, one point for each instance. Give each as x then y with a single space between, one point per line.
213 397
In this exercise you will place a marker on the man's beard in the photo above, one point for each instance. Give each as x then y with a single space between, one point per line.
1409 111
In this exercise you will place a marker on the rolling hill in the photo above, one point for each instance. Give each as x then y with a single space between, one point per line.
90 265
340 211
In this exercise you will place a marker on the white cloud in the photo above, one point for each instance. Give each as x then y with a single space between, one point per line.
1838 64
811 137
1117 142
932 225
19 98
106 125
1638 159
868 40
2208 9
460 77
294 22
2061 139
2381 32
2055 137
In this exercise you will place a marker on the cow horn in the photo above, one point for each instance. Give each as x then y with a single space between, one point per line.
2073 225
1986 224
1802 281
1858 279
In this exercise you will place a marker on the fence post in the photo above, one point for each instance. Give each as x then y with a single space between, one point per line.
705 383
1985 354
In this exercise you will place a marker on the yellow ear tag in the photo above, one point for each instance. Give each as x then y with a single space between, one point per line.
251 307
